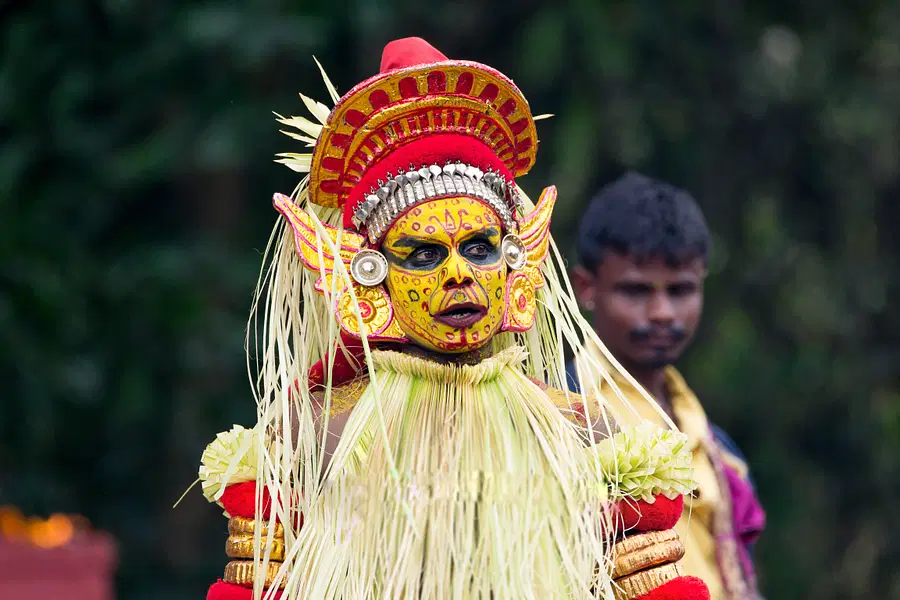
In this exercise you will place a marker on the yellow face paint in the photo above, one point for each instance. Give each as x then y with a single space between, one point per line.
446 275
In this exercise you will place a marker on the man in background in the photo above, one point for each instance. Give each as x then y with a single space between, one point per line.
643 247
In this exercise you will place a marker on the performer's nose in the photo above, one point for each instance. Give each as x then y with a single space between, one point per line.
458 281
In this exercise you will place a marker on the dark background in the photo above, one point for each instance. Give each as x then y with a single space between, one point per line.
136 170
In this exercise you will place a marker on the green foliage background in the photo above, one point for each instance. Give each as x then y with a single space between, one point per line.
136 146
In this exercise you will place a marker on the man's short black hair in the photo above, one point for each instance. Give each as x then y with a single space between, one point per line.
643 218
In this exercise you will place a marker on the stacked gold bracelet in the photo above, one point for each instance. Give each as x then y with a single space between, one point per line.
644 562
241 545
641 562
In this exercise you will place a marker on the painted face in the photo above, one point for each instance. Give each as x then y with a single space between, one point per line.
446 276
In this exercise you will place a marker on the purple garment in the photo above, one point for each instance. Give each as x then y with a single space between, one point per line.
747 514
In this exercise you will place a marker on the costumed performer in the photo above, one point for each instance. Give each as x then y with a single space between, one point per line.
415 438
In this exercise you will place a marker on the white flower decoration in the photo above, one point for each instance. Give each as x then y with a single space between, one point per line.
230 458
645 461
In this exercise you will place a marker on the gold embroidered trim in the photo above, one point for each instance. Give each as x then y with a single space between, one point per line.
343 398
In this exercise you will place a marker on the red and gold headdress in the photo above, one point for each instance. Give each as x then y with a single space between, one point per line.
425 128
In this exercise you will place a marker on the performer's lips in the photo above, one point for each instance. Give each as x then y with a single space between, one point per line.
461 315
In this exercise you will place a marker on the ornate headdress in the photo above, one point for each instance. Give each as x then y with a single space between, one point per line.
425 128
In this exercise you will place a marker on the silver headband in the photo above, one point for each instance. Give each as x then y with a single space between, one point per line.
382 206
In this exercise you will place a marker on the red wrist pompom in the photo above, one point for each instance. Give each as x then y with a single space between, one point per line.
680 588
239 500
639 516
221 590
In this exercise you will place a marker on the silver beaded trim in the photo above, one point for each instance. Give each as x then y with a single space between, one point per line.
390 199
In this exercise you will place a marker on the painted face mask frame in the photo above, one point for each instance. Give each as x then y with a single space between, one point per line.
446 274
376 304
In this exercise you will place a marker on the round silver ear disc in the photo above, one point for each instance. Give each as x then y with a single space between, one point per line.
514 252
369 268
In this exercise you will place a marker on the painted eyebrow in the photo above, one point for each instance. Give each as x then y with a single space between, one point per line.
409 241
489 232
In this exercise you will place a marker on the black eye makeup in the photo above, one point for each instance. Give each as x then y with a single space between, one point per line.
415 253
426 256
480 250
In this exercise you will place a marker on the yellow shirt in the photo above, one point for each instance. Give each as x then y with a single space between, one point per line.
695 526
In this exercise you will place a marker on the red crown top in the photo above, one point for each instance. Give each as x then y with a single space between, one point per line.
409 52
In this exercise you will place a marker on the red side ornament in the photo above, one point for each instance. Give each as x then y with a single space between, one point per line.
680 588
221 590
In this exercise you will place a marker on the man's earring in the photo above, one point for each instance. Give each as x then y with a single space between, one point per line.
588 305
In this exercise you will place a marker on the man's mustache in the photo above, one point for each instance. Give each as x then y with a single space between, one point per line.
676 333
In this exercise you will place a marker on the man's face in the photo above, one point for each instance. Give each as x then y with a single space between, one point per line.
645 312
446 276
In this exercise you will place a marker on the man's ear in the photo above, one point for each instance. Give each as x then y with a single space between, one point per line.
583 281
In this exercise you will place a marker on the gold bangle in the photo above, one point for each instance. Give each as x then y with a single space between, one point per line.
643 582
645 555
243 546
242 572
642 540
244 526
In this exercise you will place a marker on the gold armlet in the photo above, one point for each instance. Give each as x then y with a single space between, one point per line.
244 526
643 582
241 544
243 573
644 562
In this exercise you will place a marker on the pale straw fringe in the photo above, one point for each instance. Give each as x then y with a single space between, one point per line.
541 534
